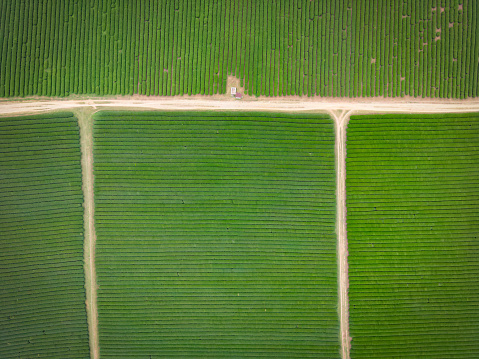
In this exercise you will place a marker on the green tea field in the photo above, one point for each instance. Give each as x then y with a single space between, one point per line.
336 48
413 225
239 179
215 235
42 286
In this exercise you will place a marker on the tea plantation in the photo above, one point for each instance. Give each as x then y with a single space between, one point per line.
216 235
335 48
413 225
42 294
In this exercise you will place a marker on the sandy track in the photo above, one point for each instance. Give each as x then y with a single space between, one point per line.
86 142
340 110
17 106
341 119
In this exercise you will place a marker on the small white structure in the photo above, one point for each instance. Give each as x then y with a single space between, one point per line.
233 91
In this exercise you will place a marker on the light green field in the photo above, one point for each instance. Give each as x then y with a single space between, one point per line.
42 294
215 235
413 225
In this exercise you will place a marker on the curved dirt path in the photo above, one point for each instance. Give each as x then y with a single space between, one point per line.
340 109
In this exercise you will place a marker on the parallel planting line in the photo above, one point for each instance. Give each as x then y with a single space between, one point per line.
86 142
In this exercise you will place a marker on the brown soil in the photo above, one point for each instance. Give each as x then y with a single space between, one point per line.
86 142
12 107
341 120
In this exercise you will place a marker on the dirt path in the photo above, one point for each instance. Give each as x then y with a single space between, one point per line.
19 106
340 110
341 119
86 142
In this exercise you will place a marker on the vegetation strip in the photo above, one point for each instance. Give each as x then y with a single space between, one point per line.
41 235
412 230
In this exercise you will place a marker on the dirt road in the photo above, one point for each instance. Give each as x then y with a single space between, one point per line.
19 106
86 142
341 120
340 110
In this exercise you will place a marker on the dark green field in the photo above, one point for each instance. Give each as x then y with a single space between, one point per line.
340 48
413 226
216 235
42 293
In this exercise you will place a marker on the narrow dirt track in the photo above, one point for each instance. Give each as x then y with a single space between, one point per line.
25 106
341 120
339 109
86 143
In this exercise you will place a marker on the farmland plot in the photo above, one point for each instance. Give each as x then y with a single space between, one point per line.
42 294
215 235
340 48
413 224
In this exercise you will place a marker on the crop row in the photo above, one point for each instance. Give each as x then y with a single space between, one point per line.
41 239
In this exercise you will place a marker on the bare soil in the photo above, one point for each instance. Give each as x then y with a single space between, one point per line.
12 107
86 142
341 118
